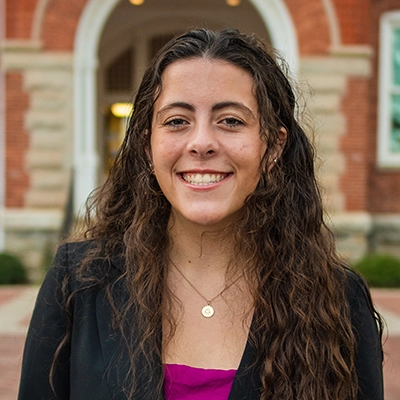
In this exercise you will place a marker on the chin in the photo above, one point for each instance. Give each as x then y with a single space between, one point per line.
214 221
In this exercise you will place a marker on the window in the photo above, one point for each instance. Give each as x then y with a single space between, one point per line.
119 73
389 91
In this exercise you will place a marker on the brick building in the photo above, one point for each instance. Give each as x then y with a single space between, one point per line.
65 63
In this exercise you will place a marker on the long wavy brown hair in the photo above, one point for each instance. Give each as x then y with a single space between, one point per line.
301 327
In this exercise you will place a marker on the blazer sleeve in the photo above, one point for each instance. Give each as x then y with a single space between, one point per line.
369 355
48 326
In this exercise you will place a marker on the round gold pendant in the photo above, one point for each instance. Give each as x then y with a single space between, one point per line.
207 311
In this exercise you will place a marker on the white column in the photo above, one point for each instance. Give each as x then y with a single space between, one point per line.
85 148
87 38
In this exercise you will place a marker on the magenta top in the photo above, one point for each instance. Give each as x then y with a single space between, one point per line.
182 382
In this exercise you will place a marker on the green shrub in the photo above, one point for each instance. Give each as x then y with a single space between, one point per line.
12 271
380 270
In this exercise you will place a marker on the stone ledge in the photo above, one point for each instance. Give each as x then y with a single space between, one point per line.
353 51
48 101
352 66
322 83
28 60
32 220
47 198
387 220
357 221
324 103
46 119
48 139
20 45
54 80
49 159
49 179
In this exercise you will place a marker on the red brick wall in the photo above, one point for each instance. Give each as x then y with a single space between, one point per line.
17 141
61 19
60 23
354 145
359 145
384 185
311 26
19 17
354 20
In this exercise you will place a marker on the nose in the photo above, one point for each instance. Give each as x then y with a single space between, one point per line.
203 141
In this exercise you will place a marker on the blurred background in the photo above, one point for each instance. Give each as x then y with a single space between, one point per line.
69 69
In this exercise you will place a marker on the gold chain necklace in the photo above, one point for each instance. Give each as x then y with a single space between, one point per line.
207 311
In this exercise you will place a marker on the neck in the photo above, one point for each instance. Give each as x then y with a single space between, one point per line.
195 247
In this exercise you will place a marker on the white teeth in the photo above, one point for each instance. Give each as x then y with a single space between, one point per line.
206 179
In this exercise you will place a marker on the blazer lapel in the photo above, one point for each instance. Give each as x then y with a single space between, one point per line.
115 360
115 353
247 383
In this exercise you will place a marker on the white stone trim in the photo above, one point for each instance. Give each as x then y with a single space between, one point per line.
21 60
38 19
387 220
281 28
25 219
85 97
385 158
349 61
334 27
357 221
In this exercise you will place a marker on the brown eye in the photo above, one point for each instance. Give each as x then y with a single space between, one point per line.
176 122
233 122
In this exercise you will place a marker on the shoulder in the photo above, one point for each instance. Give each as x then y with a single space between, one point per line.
365 319
86 261
367 328
356 285
358 293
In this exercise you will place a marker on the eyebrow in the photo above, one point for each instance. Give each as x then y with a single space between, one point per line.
176 104
233 104
216 107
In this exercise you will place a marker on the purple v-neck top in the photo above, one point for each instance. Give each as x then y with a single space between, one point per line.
182 382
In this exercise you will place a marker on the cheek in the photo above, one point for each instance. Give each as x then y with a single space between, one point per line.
161 152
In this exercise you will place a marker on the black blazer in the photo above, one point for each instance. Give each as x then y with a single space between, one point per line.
89 366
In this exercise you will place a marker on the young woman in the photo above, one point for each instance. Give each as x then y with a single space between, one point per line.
207 271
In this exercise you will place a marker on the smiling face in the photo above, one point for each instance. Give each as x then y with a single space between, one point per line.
205 141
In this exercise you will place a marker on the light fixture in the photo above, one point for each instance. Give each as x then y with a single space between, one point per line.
233 3
136 2
121 110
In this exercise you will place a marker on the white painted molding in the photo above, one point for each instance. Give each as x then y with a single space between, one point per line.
85 97
386 159
20 45
30 61
38 19
281 28
334 27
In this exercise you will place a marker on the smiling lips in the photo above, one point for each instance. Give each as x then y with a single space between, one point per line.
203 179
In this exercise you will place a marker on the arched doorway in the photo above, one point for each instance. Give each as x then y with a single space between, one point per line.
114 43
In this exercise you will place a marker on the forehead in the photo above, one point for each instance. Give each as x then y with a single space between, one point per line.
206 78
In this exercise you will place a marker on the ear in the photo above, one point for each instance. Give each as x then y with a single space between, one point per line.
150 158
279 146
